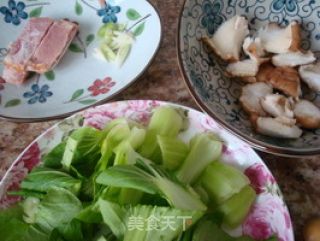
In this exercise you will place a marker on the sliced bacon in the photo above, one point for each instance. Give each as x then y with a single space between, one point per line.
53 46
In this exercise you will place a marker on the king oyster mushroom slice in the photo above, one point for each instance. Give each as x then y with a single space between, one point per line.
277 106
276 128
276 39
307 114
310 74
251 96
254 49
228 39
285 79
292 59
244 68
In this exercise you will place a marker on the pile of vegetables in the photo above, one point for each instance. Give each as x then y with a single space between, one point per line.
115 42
130 182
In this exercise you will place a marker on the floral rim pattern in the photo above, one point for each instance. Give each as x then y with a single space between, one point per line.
269 214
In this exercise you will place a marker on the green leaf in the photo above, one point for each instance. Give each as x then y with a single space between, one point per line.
54 157
83 150
43 180
138 30
12 103
222 181
87 102
89 39
150 179
173 151
77 94
204 149
114 216
70 232
132 14
50 75
35 13
58 208
127 176
75 48
78 8
165 121
237 207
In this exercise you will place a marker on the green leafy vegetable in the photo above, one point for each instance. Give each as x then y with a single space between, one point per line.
236 208
203 150
206 230
166 122
222 181
149 179
97 185
54 157
115 42
82 150
173 151
43 180
58 208
114 216
30 209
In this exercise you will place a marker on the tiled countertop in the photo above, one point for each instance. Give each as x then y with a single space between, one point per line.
299 179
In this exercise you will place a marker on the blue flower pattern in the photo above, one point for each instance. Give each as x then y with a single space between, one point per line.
38 94
14 12
212 16
109 13
288 5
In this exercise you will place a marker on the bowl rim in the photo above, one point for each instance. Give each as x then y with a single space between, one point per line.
254 143
105 100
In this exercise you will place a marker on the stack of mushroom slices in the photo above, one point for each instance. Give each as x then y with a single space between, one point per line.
273 65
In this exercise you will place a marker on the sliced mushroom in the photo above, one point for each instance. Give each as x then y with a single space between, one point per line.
254 49
292 59
307 114
277 106
251 96
286 120
249 79
310 74
228 39
244 68
285 79
275 128
275 39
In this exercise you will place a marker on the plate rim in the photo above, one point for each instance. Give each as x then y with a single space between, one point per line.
100 102
254 143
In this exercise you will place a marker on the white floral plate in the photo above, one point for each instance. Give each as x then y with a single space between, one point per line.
80 79
269 214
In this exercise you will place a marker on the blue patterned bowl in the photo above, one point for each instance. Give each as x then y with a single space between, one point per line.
204 74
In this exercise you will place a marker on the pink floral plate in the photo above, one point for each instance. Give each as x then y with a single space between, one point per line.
269 215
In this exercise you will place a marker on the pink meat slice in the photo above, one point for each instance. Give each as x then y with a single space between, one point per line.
23 49
14 76
53 46
25 46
